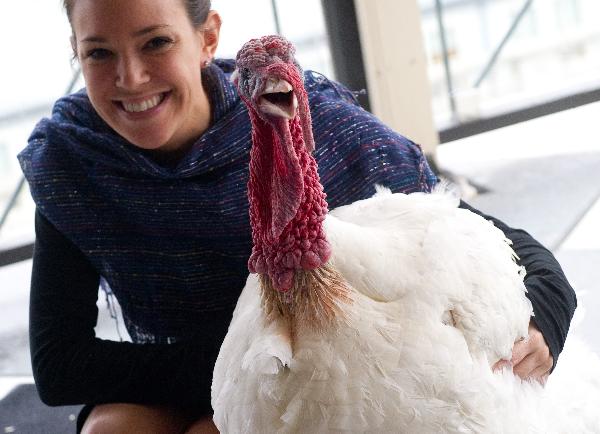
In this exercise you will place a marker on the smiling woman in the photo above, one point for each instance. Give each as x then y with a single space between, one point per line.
142 68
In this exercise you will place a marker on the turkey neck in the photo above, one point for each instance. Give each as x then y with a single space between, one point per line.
287 202
287 211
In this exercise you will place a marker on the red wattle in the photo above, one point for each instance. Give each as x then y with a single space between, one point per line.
301 244
287 184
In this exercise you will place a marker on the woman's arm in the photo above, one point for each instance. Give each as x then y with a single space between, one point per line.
552 297
72 366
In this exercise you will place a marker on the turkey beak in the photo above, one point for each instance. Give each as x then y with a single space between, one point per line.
278 99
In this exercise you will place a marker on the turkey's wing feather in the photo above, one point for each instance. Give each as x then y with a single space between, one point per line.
254 351
423 248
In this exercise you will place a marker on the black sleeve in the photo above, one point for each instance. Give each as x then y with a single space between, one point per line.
551 295
72 366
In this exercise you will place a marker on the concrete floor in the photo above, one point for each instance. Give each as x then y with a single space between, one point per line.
542 175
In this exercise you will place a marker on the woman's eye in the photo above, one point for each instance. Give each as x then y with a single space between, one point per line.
158 42
98 54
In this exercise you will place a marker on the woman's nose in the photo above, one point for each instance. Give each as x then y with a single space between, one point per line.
131 72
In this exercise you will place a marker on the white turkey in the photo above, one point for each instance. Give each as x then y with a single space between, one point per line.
382 316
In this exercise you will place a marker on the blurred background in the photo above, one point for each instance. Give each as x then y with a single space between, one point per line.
501 94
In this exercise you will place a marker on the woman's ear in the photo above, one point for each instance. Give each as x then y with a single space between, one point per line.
210 34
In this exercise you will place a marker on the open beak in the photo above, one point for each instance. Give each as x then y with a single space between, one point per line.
278 99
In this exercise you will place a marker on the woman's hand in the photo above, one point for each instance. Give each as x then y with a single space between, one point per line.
531 357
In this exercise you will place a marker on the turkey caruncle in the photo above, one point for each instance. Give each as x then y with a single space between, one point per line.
381 316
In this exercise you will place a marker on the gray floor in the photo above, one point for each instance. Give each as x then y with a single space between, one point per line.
542 175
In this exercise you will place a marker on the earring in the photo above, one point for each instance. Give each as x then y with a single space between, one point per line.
206 63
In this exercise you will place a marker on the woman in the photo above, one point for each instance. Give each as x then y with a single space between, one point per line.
140 181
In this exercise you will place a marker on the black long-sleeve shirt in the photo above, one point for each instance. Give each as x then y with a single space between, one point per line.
72 366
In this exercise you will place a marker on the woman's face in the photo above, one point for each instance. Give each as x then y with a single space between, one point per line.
141 62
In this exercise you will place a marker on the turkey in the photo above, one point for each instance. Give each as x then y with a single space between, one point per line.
381 316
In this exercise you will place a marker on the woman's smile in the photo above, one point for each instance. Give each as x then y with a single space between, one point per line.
142 104
142 107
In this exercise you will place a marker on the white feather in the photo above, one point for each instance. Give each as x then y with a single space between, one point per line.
414 262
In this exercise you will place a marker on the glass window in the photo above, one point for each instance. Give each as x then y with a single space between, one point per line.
552 52
301 23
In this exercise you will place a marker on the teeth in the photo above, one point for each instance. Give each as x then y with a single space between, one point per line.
142 106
